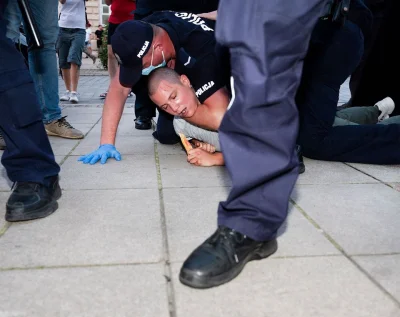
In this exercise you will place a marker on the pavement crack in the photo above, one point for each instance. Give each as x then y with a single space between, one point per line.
344 253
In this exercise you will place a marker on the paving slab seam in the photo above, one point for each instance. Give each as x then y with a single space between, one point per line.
167 263
79 142
344 253
375 254
77 266
365 173
8 224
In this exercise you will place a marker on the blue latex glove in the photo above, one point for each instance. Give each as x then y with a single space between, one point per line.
104 152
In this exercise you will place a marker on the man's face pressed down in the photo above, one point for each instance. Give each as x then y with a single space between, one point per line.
177 99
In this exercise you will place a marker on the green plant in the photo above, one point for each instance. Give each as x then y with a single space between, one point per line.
103 55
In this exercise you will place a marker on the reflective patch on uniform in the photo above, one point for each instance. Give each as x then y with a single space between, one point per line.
195 19
232 92
204 88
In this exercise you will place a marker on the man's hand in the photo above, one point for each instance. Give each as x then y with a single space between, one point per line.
103 153
200 157
204 146
209 15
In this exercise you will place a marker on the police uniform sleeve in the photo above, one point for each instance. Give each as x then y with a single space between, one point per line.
207 77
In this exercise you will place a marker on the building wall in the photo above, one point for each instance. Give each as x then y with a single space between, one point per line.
93 13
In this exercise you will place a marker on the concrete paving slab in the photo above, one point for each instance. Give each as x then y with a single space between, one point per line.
301 287
88 118
133 171
385 173
385 269
191 215
362 218
96 292
125 127
174 149
62 146
177 172
320 172
3 198
89 228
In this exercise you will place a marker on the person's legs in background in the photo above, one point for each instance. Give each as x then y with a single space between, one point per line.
257 134
145 109
366 115
75 60
88 51
43 62
28 158
334 52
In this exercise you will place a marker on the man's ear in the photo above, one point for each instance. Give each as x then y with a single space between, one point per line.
185 81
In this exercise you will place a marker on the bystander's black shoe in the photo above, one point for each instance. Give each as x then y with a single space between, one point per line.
222 257
30 201
302 167
143 123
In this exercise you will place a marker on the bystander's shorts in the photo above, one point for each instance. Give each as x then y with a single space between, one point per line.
70 45
111 29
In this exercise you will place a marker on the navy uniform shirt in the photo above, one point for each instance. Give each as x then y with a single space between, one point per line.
194 43
146 7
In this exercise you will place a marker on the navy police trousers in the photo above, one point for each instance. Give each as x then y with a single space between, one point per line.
28 155
259 131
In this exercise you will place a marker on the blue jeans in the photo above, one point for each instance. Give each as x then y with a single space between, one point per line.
42 62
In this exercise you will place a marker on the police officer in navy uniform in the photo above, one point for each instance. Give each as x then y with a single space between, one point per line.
179 40
144 110
28 158
258 133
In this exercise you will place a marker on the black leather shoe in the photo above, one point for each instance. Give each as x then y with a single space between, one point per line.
222 257
143 123
30 201
302 167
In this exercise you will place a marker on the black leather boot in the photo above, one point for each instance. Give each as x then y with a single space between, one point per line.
143 123
222 257
302 167
30 201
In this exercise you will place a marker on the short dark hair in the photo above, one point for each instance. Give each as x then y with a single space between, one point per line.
159 74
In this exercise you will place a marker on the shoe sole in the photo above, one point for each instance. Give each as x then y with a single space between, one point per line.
17 216
264 251
73 101
63 136
138 127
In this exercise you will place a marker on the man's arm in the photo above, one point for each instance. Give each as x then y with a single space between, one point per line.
112 110
209 15
209 115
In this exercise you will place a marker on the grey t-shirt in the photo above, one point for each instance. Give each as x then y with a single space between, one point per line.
191 131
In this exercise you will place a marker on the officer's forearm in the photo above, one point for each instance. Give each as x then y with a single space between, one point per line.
112 111
209 15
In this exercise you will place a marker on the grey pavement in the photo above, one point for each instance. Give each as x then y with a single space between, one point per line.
115 245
